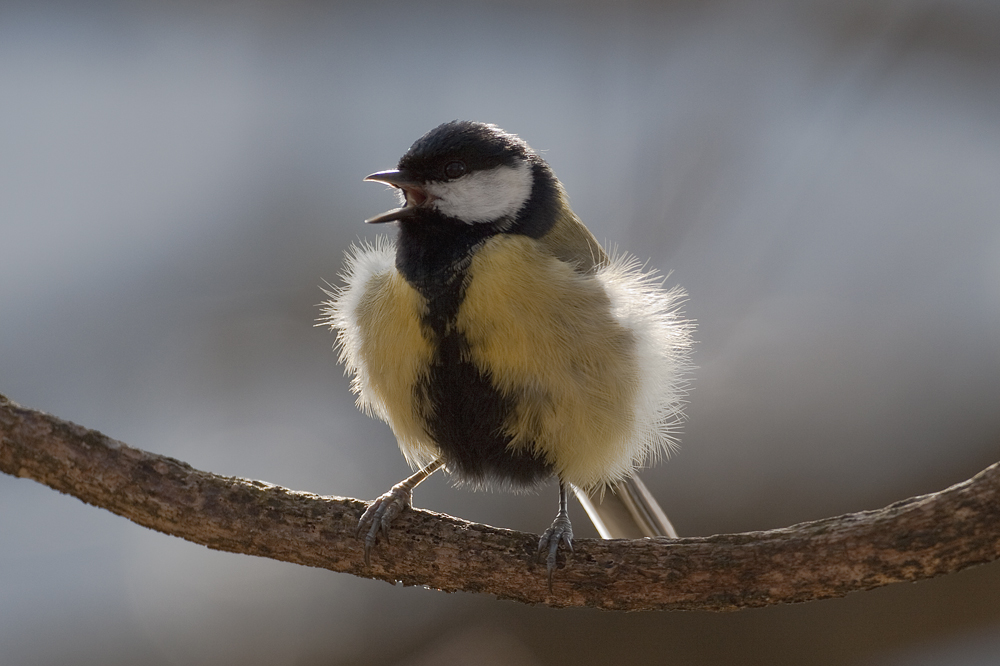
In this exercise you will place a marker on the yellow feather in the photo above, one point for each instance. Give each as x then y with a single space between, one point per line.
377 314
546 335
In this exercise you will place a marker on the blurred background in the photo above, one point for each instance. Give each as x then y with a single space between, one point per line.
177 179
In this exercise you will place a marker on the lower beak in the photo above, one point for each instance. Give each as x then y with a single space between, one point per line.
392 215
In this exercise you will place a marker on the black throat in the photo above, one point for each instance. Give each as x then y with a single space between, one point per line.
433 253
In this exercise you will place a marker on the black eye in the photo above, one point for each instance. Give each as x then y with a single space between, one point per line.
454 170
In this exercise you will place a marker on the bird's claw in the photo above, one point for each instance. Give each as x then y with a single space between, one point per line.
380 514
561 532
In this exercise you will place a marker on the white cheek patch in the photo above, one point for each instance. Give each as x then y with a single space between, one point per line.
484 196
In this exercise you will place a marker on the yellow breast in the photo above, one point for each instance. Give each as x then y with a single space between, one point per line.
546 335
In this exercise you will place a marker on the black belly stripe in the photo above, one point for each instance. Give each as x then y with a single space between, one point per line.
466 413
468 421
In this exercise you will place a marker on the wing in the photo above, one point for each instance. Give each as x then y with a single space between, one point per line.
570 241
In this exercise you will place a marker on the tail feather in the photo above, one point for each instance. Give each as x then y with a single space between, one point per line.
626 511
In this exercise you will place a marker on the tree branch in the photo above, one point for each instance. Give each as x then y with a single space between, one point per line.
917 538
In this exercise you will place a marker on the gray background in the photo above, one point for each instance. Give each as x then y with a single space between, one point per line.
176 180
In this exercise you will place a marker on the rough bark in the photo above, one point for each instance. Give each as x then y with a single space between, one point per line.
917 538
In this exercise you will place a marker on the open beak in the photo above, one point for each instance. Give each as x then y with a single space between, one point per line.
414 191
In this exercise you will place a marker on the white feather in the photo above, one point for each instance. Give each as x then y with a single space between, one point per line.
484 196
363 262
663 347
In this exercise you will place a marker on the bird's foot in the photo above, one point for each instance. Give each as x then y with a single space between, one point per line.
381 513
384 510
561 532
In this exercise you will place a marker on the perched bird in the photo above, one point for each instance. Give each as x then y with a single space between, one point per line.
501 342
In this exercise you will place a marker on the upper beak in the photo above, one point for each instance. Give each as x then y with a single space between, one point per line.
393 177
397 178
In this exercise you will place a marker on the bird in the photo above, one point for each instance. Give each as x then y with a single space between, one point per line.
501 342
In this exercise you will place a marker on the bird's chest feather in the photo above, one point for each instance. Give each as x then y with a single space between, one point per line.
510 364
468 413
533 363
547 335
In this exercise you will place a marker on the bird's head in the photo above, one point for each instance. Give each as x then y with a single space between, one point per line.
466 171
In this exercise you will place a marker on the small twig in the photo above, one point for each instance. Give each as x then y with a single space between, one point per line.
910 540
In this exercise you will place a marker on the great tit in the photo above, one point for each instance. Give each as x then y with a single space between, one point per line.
501 342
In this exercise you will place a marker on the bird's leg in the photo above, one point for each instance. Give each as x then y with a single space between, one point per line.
383 510
561 532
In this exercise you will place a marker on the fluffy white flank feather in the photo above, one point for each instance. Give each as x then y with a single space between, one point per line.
642 304
363 261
